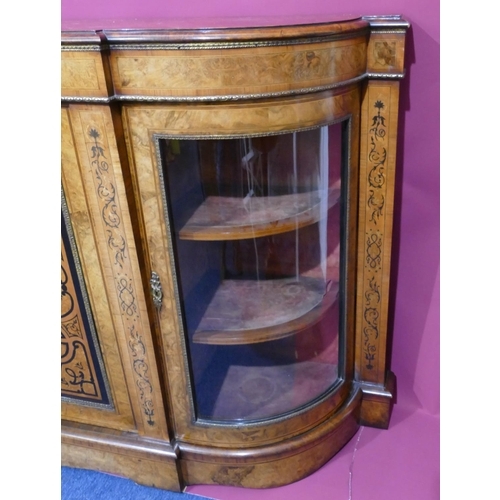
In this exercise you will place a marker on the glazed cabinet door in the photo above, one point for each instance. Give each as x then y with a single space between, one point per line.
250 236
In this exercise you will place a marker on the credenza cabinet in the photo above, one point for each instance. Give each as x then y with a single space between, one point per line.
226 225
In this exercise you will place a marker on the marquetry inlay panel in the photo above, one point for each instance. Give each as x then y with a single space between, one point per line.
377 171
385 53
75 207
83 377
238 71
98 155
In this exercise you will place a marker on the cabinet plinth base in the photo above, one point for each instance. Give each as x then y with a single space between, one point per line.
145 461
276 465
378 400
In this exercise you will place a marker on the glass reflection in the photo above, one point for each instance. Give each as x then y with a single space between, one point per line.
256 228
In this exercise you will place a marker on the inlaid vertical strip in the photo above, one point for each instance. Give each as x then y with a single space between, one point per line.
377 170
98 152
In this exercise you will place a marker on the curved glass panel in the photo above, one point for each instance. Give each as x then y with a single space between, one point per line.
256 229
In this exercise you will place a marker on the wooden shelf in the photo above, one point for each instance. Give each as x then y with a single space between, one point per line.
228 218
263 391
248 312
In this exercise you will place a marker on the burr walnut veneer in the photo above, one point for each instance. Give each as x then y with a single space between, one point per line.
227 202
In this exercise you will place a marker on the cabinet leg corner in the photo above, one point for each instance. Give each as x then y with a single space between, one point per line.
377 402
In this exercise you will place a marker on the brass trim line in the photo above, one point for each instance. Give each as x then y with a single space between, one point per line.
122 45
234 97
78 99
81 48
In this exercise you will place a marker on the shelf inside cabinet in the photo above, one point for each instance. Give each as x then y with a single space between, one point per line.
241 390
232 218
251 311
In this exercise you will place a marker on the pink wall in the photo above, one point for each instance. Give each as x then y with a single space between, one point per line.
415 311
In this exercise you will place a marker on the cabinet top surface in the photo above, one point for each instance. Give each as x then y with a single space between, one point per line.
132 30
200 23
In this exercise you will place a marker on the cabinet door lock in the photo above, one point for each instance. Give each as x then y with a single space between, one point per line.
156 290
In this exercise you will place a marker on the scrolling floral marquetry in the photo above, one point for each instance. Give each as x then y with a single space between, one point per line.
376 180
120 295
376 206
374 238
231 193
83 378
106 192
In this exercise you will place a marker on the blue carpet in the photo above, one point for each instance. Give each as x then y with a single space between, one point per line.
81 484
